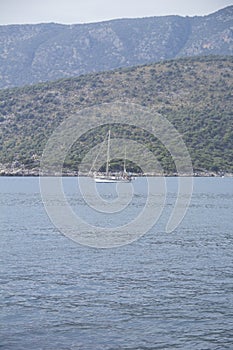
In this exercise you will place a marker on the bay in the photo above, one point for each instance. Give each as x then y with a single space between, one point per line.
163 291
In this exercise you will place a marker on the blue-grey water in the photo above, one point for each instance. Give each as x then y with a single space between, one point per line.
163 291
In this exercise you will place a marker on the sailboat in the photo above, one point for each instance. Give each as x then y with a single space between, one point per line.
109 177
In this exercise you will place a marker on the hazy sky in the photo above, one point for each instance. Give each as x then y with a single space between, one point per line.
82 11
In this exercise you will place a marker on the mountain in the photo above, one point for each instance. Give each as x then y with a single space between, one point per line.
194 94
43 52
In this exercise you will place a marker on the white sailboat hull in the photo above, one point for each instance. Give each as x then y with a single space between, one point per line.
111 179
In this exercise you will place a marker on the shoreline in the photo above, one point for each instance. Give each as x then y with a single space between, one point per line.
36 173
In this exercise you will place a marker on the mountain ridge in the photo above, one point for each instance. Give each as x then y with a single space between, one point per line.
33 53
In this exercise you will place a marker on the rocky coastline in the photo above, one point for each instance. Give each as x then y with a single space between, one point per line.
8 170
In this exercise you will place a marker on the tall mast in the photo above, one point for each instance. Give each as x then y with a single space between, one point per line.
125 161
108 152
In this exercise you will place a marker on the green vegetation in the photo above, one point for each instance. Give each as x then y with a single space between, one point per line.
195 94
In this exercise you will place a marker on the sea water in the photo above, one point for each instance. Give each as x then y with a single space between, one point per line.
162 291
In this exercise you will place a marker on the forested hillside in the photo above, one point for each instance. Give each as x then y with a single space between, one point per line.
195 94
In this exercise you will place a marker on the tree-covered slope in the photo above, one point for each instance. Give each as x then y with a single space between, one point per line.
44 52
195 94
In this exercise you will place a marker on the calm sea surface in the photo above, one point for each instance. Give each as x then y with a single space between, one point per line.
164 291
